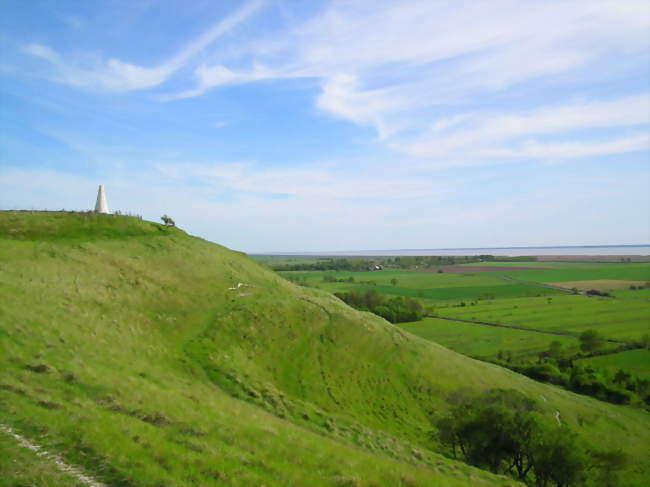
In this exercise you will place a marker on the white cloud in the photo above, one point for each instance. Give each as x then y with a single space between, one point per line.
337 217
570 150
486 134
399 66
114 75
315 182
419 72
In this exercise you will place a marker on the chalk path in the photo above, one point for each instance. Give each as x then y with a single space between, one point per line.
75 472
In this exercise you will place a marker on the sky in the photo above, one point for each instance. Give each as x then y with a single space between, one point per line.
305 125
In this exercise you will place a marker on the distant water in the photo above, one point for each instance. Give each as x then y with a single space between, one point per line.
502 251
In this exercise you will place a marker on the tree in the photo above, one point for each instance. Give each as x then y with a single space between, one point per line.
502 431
168 221
491 430
590 341
394 281
557 456
555 350
608 465
621 378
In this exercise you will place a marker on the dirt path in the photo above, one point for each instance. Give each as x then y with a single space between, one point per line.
75 472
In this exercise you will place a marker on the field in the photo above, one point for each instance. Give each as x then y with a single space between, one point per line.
525 295
605 285
430 286
635 361
484 341
585 272
625 320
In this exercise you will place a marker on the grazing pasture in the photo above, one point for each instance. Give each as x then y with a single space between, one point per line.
485 341
511 294
636 294
604 285
636 362
615 319
426 285
586 272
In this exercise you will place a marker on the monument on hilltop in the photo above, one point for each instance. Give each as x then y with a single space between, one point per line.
101 206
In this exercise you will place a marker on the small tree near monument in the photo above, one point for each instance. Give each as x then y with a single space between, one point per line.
168 221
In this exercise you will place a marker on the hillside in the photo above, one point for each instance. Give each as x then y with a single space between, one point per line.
150 357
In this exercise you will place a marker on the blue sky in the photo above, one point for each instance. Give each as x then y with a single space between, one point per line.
337 125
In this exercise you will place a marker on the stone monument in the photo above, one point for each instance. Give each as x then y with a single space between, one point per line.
101 206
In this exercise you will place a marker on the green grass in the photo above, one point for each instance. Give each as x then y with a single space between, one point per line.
637 294
628 272
425 285
483 341
130 356
407 278
22 467
616 319
51 226
636 362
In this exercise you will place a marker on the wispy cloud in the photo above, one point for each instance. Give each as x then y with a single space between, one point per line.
487 134
413 72
115 75
403 68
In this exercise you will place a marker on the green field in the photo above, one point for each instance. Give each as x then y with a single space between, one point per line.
484 341
637 294
585 272
153 358
615 319
636 362
429 286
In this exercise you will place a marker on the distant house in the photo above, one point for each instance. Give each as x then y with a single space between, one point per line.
375 268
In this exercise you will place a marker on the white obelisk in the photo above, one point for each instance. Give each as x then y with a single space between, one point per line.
101 206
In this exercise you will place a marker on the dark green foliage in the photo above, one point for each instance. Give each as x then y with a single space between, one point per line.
608 466
399 309
591 341
596 292
502 430
168 221
555 350
557 457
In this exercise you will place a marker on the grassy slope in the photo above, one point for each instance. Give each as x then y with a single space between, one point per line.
133 358
22 467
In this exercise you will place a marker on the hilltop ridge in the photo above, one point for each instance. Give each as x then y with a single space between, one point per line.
145 354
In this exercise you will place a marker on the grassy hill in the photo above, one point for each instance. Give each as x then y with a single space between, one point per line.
153 358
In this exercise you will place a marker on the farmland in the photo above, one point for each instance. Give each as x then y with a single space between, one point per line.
533 307
484 341
636 362
615 319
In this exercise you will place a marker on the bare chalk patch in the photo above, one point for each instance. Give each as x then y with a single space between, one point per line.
239 285
75 472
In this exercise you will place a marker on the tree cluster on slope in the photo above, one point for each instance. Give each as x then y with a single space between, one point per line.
504 431
398 309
